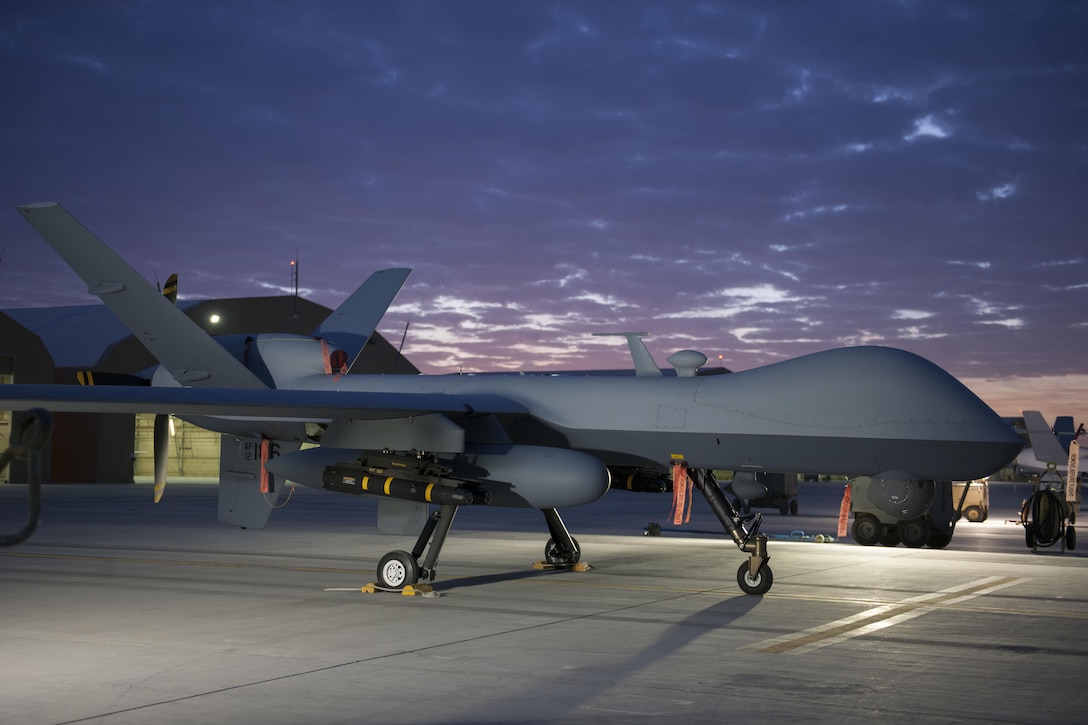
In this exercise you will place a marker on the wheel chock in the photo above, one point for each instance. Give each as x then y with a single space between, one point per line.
365 589
412 590
580 566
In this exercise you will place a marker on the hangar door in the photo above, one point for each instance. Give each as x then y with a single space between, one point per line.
193 451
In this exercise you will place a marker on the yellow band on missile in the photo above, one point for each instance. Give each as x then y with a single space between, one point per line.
366 483
427 493
388 485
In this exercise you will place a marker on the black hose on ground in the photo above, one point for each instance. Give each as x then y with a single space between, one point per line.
1043 516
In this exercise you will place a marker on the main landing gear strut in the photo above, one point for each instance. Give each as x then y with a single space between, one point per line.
754 575
399 569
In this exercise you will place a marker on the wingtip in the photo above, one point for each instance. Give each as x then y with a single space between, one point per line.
37 205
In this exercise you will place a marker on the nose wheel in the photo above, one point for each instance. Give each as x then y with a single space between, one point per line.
757 583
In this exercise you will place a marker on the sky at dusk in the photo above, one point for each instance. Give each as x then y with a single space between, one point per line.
752 180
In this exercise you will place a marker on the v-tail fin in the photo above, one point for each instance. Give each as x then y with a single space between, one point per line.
351 324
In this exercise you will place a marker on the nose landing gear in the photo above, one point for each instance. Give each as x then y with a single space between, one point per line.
754 575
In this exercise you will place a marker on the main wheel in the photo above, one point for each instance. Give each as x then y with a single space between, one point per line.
397 569
913 532
938 541
556 555
890 537
867 530
758 584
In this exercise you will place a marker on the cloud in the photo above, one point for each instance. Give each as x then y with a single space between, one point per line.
1001 191
603 300
1058 263
928 127
861 337
738 300
1054 395
84 61
755 336
918 333
911 315
1013 323
816 211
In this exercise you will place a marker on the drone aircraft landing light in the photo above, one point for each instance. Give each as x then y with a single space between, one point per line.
547 442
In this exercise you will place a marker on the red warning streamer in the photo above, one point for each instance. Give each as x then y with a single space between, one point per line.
266 447
844 511
325 357
681 493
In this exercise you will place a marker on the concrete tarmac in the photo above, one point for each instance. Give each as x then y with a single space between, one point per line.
122 611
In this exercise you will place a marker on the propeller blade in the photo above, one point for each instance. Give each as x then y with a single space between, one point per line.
162 441
170 291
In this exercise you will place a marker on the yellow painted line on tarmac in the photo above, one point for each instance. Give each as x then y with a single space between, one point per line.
879 618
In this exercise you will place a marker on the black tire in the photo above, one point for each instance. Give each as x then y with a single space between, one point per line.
1070 538
914 533
938 540
556 556
890 537
759 584
793 507
784 508
867 529
973 514
397 569
1029 537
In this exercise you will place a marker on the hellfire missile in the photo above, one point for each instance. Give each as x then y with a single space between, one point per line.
347 478
640 481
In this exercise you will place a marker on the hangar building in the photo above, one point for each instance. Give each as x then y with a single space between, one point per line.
52 344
